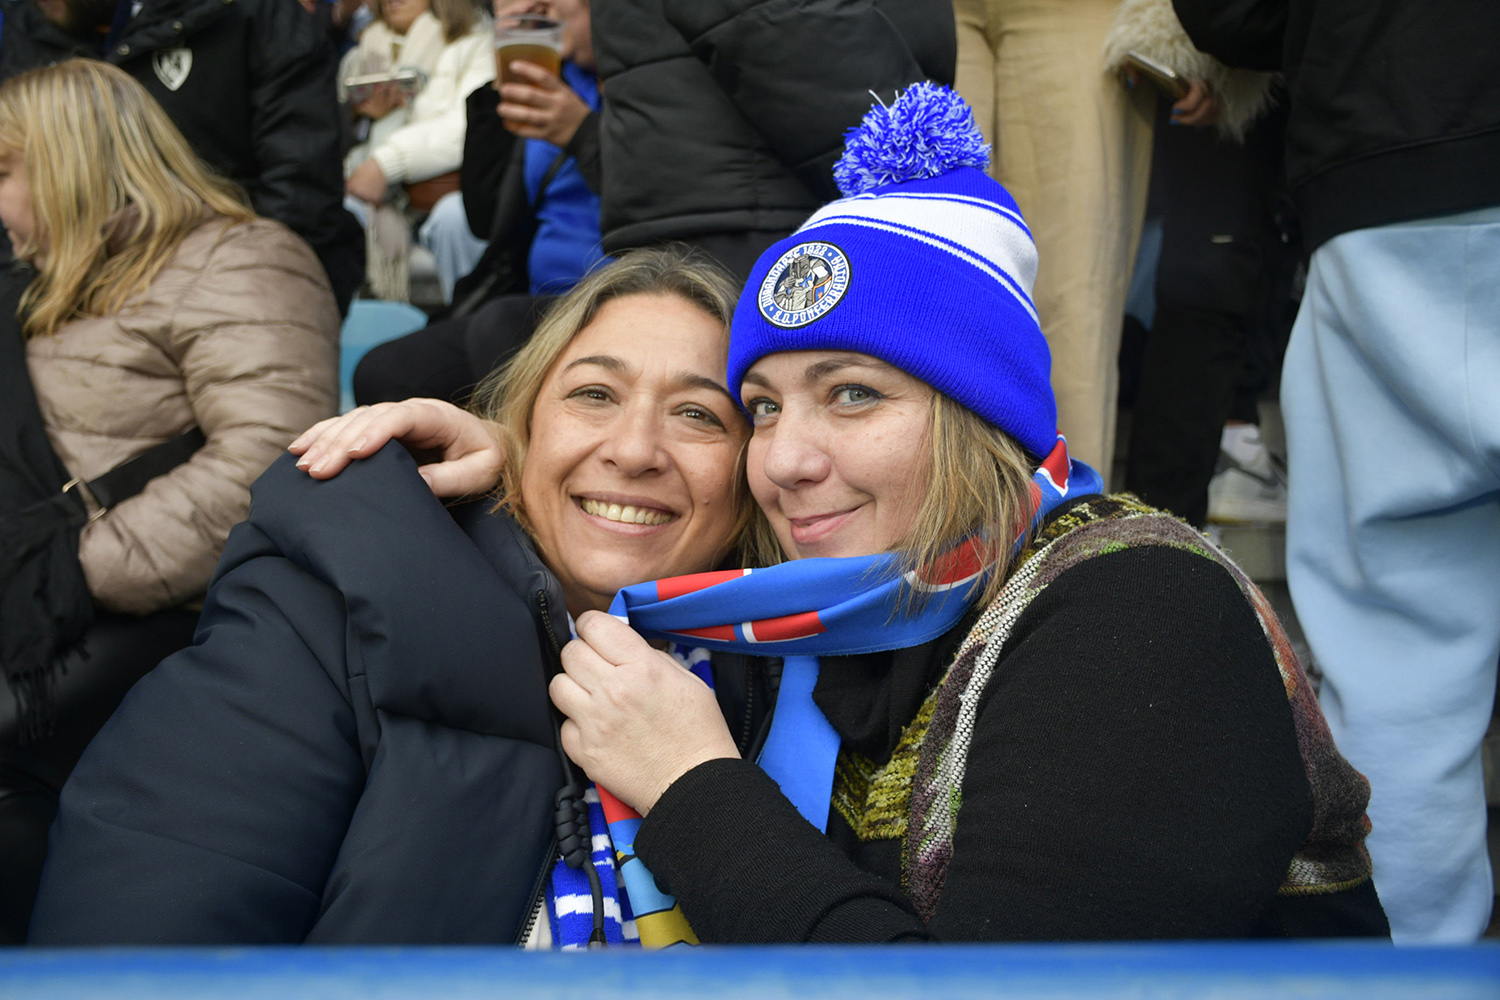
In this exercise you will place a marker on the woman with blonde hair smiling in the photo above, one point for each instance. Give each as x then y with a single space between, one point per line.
174 343
359 748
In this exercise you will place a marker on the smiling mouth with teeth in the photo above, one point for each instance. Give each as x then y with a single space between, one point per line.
625 514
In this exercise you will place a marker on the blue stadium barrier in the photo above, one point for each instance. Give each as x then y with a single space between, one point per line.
1237 971
371 322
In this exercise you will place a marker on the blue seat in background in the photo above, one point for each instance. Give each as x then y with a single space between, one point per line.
371 322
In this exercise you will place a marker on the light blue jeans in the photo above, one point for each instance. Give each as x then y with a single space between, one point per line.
446 233
1391 397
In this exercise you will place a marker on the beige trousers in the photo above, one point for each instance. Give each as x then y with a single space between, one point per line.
1073 146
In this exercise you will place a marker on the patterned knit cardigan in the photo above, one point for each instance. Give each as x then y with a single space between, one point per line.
916 796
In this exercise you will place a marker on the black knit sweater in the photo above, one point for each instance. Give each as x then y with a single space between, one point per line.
1134 773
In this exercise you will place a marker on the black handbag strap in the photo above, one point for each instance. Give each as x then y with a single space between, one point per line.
511 232
42 589
129 478
513 209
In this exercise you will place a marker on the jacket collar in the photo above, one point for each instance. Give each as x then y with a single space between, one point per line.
510 551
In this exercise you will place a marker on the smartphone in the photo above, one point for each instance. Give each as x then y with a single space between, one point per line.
1166 79
407 79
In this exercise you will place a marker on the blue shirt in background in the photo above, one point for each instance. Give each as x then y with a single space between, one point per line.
566 244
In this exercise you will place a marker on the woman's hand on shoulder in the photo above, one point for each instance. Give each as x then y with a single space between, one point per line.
636 719
467 448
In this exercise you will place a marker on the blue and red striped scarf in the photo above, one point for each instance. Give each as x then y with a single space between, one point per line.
801 610
835 607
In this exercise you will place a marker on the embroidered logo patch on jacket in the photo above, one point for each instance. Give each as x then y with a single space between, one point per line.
172 66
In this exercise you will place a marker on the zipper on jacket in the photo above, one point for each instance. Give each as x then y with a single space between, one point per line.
571 792
538 895
539 887
542 605
746 729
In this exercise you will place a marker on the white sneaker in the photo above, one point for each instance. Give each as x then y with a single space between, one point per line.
1248 486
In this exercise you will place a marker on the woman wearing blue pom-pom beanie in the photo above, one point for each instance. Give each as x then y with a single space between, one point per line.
1009 707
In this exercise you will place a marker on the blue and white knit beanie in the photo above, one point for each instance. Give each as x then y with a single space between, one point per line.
924 263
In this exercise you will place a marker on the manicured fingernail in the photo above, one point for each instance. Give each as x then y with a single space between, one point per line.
320 466
359 445
426 479
303 461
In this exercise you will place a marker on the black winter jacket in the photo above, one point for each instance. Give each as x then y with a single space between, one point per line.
1395 104
250 83
357 748
726 116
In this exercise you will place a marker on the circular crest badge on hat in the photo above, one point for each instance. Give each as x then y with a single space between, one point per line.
804 284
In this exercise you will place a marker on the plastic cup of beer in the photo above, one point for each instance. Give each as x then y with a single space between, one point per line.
527 38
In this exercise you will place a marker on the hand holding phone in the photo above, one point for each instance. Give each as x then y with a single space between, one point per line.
1163 77
402 84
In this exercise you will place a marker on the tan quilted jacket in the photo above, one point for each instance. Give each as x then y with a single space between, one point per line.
239 335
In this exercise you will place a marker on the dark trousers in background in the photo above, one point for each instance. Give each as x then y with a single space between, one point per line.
1204 360
1188 391
117 651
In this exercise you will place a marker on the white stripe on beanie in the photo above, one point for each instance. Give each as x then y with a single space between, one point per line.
981 232
983 226
970 199
942 243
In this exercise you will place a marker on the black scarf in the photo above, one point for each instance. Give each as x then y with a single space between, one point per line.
45 606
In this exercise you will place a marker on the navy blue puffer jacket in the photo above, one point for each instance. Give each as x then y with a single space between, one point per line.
357 747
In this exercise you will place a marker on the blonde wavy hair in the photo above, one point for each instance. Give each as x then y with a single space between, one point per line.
95 144
979 482
457 17
508 395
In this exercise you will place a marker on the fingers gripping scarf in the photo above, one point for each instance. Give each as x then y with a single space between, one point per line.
801 610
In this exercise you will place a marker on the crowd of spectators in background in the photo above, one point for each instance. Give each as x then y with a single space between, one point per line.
194 191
